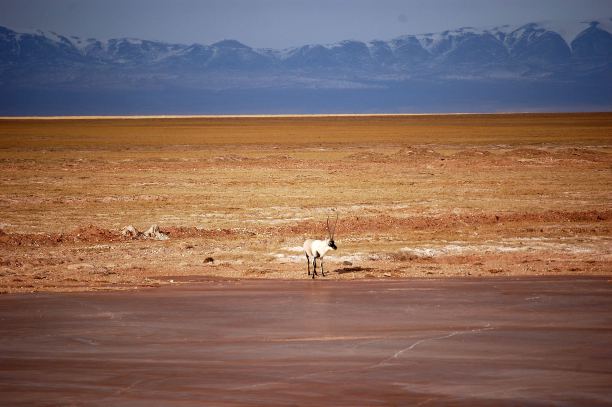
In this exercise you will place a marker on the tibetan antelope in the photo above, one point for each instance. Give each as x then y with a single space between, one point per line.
316 249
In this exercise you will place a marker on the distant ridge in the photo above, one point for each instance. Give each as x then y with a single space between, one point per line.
545 66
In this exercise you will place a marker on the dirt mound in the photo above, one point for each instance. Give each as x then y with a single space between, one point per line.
95 234
153 232
582 154
416 153
354 224
473 154
359 224
369 156
528 153
187 231
575 153
89 234
229 158
130 232
86 234
92 233
277 157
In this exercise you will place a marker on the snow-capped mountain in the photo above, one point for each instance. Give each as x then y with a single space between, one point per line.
578 53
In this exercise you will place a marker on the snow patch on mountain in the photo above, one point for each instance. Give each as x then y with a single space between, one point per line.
569 30
120 49
83 44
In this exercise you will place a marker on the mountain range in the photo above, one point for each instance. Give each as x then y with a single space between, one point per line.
536 66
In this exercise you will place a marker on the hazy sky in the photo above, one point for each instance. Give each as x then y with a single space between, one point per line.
281 23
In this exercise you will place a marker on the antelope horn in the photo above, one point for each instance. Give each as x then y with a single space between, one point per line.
329 234
334 229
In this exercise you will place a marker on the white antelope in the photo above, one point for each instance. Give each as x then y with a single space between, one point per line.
316 249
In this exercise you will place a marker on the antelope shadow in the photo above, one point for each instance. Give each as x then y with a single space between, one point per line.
356 269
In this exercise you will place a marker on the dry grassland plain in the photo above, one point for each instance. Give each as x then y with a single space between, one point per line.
417 196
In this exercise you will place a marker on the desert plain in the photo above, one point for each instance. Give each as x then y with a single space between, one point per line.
427 196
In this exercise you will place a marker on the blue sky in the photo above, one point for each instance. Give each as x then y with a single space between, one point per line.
281 23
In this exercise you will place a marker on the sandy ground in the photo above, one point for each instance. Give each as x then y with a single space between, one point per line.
462 342
417 196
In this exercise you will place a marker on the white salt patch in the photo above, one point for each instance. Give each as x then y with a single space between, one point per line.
505 246
434 251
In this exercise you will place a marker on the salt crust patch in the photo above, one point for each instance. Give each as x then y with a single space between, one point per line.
512 245
506 246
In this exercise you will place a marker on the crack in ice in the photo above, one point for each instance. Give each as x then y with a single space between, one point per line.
383 362
397 354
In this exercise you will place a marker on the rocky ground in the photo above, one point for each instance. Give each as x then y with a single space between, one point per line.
516 195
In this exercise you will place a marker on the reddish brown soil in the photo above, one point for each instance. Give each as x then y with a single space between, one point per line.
435 196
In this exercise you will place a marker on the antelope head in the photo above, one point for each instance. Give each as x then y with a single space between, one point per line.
331 232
